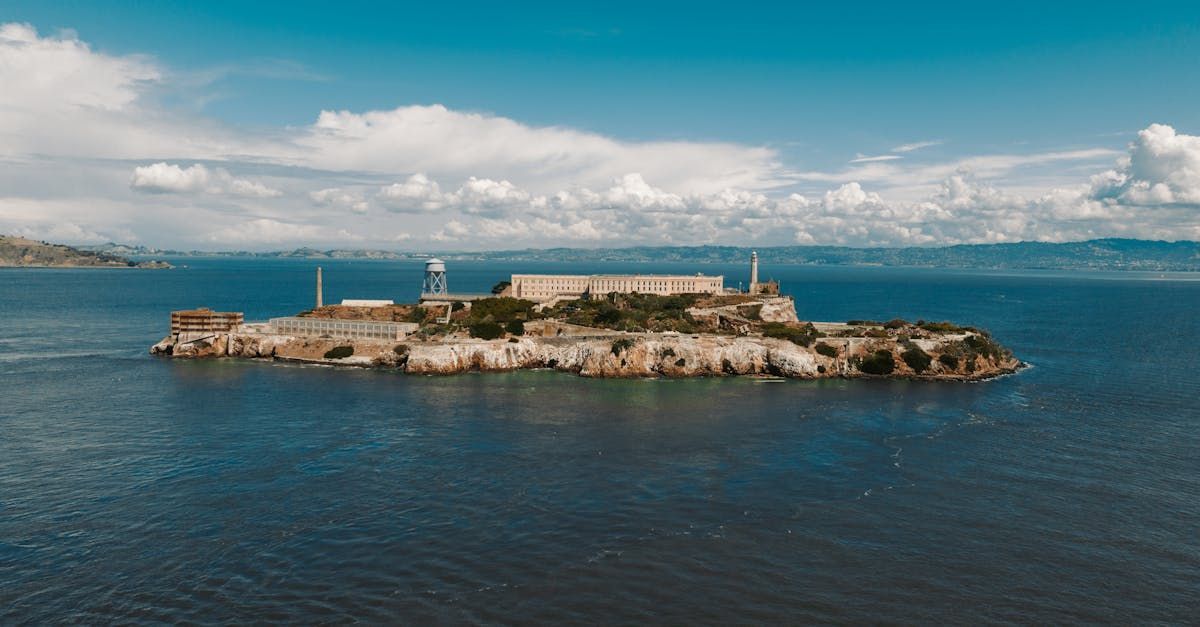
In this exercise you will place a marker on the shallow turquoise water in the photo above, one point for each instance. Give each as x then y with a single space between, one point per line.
135 489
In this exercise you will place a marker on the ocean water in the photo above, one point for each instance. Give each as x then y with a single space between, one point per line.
143 490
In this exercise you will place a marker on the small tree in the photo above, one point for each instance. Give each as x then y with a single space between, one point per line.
515 327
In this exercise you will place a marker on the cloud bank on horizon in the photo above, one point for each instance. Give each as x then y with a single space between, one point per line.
92 152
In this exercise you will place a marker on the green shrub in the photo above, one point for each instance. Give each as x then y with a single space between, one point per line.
949 361
400 349
863 323
416 314
457 305
880 362
826 349
985 346
501 286
621 345
516 327
895 323
803 336
502 309
941 327
610 315
916 358
339 352
486 330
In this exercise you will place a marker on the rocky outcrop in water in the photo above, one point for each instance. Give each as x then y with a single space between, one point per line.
957 357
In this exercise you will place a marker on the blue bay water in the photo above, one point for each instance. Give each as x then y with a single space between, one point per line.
139 490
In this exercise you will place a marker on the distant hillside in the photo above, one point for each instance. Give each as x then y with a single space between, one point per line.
21 252
1100 254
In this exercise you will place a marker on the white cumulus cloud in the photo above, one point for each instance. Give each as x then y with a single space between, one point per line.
73 118
170 178
339 198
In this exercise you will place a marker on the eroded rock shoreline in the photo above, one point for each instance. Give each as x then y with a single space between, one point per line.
959 357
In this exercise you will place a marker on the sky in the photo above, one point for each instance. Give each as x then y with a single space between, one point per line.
467 126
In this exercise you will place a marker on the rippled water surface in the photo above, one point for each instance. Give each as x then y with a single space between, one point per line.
135 489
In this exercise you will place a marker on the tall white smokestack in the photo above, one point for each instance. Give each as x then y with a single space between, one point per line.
320 294
754 272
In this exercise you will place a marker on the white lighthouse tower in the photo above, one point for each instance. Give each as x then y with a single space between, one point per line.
435 278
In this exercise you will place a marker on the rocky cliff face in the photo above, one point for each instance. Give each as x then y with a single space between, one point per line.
627 355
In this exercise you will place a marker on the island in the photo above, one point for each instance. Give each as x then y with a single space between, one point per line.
605 335
26 253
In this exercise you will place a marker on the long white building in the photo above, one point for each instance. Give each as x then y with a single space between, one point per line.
538 287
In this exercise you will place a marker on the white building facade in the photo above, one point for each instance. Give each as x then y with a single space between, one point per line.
539 287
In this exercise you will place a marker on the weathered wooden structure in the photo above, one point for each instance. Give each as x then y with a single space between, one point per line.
205 320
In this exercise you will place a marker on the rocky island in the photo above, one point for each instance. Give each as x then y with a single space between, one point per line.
614 335
27 253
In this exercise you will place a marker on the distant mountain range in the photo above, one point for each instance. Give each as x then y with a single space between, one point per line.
1099 254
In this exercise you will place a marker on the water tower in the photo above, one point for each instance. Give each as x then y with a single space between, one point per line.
435 278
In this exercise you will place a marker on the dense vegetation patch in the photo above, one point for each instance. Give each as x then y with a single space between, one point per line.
339 352
940 327
630 312
486 330
515 327
826 349
916 358
504 309
880 362
949 361
400 349
803 336
985 346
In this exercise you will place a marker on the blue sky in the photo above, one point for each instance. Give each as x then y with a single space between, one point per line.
825 90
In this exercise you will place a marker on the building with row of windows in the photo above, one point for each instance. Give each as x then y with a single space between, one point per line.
540 287
344 329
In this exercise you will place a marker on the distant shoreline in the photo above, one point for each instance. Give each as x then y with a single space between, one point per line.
1101 254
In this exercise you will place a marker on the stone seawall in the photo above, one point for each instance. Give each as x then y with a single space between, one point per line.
626 355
